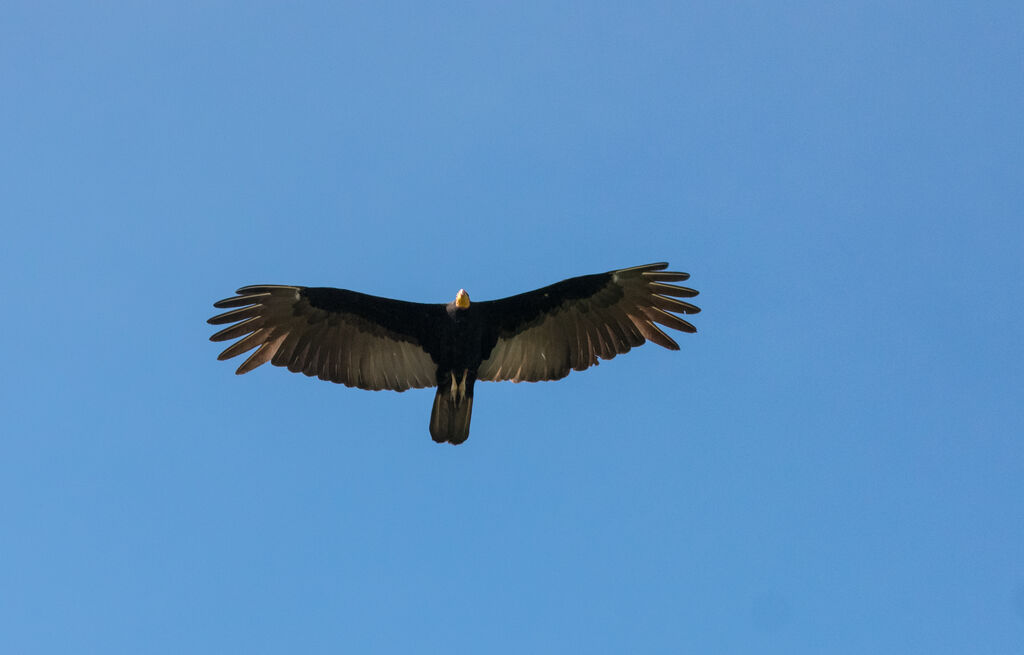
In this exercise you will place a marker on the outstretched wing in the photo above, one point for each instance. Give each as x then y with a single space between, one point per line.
543 334
337 335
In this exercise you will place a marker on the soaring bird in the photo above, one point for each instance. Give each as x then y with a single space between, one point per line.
378 343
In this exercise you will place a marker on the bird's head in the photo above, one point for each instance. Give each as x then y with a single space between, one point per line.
462 299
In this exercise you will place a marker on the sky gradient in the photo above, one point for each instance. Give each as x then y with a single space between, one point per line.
833 463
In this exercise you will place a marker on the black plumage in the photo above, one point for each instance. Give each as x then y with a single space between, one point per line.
378 343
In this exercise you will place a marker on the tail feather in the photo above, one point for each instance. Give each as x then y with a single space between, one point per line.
453 409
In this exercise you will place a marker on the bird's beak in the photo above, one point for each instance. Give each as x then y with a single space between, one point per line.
462 299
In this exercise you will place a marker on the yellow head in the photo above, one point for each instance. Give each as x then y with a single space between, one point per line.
462 299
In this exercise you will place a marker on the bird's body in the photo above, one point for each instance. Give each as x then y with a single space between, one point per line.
378 343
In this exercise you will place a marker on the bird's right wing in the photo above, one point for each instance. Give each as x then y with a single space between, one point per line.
334 334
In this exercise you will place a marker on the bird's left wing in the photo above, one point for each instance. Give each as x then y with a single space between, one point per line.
334 334
543 334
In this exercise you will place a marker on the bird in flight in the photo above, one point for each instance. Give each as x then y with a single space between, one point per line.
378 343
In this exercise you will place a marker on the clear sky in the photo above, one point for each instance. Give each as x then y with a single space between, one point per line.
833 464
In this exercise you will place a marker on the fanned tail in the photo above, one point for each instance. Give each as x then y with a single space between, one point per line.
453 409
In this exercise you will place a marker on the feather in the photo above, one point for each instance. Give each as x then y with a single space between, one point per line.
671 290
666 276
238 301
246 344
236 315
673 305
671 320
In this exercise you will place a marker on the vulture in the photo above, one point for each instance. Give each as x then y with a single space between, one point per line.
378 343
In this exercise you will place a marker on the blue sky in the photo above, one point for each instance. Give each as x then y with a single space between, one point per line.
832 464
